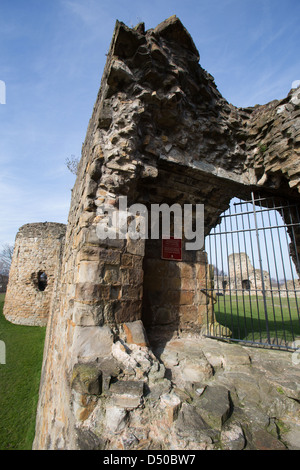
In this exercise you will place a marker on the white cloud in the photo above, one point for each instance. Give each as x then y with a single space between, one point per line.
295 84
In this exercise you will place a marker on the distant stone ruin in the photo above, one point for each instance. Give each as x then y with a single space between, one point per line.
243 277
160 132
34 273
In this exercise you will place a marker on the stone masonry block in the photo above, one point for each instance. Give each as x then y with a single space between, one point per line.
89 271
135 247
135 333
95 253
187 270
86 379
132 276
88 315
128 311
91 343
127 394
179 297
86 291
188 314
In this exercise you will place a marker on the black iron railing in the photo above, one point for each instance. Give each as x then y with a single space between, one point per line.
254 252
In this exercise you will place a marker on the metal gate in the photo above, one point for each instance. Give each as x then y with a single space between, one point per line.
254 273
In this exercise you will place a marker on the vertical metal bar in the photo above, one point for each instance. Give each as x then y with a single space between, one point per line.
286 286
206 281
246 251
283 268
241 267
229 278
261 270
235 278
216 267
269 269
277 276
224 299
254 273
209 260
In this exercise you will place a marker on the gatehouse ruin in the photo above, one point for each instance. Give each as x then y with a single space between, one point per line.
160 132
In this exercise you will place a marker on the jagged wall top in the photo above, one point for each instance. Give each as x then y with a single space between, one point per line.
176 113
42 229
155 95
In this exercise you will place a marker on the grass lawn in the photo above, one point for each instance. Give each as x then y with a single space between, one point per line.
245 317
19 382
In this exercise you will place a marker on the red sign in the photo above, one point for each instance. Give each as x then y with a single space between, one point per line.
171 249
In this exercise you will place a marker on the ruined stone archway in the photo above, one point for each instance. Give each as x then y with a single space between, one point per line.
160 132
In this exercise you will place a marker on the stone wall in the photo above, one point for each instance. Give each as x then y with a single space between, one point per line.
243 276
33 274
160 132
175 293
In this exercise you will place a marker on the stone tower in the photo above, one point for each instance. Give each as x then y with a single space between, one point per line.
34 273
160 132
244 276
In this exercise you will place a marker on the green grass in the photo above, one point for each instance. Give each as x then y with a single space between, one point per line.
247 320
19 382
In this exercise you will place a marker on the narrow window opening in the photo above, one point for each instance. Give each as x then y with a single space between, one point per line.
246 284
42 281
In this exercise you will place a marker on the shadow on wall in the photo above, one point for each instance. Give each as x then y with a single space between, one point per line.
175 293
161 295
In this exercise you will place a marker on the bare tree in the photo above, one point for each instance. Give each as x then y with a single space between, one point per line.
5 258
219 272
72 164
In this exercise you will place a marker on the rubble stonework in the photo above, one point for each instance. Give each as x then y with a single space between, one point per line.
37 252
160 132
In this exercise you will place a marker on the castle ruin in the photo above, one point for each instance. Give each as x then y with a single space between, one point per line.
34 273
160 132
242 276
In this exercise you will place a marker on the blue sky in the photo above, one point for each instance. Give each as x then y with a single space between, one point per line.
52 55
